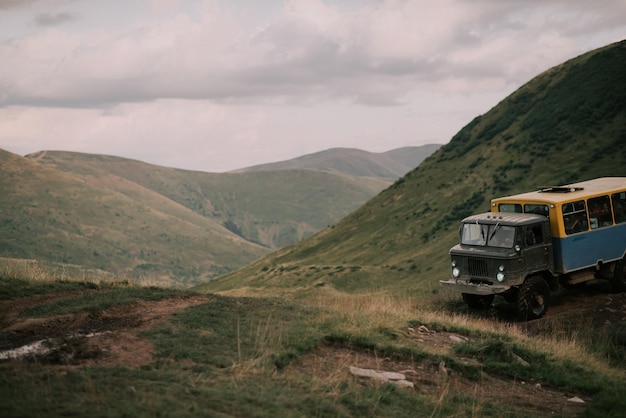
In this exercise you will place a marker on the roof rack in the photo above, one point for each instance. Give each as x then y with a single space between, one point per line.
559 189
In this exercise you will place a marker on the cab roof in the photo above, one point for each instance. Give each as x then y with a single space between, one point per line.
505 218
569 192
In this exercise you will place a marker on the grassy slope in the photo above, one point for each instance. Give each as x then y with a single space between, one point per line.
567 124
260 357
54 216
273 208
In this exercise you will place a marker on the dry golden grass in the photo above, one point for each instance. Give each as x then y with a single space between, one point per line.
14 268
362 313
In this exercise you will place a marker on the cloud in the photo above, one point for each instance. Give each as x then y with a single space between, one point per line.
312 50
52 19
372 55
14 4
209 80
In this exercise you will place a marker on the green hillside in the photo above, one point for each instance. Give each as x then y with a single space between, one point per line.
55 217
273 208
567 124
173 227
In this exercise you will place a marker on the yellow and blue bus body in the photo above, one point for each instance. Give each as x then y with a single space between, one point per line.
587 220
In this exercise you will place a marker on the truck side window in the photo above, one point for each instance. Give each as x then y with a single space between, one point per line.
619 207
575 217
599 212
534 235
538 234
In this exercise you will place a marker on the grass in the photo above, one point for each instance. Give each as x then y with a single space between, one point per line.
243 356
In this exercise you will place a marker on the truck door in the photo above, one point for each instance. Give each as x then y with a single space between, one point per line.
537 247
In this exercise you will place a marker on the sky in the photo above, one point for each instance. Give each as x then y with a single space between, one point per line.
217 85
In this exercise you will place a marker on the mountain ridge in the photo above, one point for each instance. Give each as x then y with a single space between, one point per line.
391 164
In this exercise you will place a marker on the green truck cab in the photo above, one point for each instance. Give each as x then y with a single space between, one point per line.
509 254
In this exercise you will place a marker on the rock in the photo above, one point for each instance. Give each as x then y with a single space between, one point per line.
575 399
392 375
423 330
456 339
398 379
404 384
373 374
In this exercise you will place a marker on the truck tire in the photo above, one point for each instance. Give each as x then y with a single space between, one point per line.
618 281
533 298
477 301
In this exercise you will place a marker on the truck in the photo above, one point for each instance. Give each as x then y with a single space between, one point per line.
532 243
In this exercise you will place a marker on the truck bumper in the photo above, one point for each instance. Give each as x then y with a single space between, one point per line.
462 286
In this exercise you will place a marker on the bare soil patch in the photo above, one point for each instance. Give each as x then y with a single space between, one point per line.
591 308
326 364
110 338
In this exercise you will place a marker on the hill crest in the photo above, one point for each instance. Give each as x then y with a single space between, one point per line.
390 165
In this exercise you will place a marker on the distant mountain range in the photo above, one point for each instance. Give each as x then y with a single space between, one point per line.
355 162
175 227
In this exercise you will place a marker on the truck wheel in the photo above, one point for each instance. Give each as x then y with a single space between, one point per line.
618 281
533 298
477 301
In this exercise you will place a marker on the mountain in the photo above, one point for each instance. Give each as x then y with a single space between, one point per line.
567 124
176 227
355 162
105 223
270 208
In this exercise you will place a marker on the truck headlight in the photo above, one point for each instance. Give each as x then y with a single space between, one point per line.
456 272
500 276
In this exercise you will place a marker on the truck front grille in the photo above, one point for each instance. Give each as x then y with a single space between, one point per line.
477 267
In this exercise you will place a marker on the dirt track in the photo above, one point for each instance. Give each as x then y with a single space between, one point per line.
590 308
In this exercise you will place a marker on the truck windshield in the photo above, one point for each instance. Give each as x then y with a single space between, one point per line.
497 235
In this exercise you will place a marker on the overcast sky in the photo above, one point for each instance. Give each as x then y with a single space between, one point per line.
223 84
